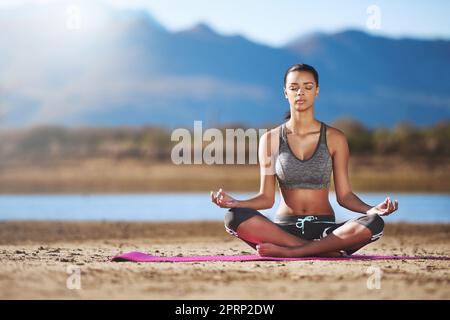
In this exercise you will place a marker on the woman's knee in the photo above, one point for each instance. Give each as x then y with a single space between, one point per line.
235 216
374 223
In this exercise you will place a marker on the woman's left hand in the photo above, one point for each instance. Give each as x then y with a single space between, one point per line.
385 208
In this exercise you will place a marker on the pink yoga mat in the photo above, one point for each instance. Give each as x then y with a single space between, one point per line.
144 257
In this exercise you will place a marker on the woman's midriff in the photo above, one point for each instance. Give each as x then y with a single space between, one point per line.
304 202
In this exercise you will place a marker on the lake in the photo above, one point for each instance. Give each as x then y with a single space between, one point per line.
413 207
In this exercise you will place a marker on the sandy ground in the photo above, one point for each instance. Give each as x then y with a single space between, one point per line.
39 259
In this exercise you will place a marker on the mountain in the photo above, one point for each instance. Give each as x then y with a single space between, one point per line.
122 67
380 80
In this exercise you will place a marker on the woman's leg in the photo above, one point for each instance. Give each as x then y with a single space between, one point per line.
351 236
254 228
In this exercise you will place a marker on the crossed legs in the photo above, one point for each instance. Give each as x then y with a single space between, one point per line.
350 237
270 240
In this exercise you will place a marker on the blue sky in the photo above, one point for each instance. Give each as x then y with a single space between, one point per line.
276 22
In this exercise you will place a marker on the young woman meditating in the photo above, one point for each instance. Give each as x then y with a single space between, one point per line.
301 154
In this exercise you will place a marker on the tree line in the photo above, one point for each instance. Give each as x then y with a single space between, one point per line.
53 144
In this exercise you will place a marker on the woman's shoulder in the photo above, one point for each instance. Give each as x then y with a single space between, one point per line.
272 132
335 137
334 132
270 138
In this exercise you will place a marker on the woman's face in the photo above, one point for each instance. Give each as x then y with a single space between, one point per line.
301 90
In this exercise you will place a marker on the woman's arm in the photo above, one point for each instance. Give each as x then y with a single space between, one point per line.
344 194
265 199
353 203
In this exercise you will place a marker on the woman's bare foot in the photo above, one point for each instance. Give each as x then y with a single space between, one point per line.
272 250
335 254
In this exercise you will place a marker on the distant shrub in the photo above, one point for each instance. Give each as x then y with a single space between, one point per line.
49 143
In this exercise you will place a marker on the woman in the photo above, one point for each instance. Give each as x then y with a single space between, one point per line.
301 154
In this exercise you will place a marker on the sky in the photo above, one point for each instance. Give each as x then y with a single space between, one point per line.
276 22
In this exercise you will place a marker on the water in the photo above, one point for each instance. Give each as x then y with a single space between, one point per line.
413 207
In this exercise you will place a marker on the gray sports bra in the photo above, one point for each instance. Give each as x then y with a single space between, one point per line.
312 173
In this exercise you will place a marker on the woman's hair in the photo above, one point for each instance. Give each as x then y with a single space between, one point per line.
300 67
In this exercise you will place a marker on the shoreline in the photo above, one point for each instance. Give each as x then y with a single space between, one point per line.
30 231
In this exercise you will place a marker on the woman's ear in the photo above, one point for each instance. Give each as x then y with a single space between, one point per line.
317 91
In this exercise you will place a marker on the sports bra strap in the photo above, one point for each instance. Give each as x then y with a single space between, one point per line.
323 133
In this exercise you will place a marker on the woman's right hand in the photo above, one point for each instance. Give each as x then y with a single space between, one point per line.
223 200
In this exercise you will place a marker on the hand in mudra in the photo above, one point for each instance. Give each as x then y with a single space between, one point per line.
385 208
223 200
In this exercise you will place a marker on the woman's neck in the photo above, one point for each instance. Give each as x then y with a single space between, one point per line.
301 123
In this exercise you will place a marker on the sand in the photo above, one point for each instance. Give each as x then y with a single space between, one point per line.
40 260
